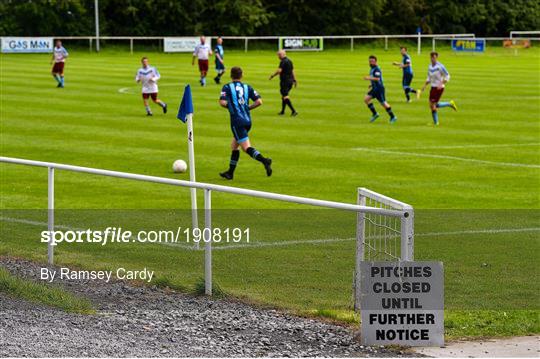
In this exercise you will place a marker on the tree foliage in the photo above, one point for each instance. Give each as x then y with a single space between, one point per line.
267 17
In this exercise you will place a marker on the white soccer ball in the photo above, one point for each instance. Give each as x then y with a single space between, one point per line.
179 166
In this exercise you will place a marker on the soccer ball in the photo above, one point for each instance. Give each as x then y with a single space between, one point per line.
179 166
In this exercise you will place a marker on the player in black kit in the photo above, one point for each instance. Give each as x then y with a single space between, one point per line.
286 81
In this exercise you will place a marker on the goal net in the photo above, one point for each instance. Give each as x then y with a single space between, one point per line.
381 237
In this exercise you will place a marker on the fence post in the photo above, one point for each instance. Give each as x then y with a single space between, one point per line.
360 238
419 43
131 46
90 44
433 44
407 235
352 43
50 212
207 235
246 44
386 43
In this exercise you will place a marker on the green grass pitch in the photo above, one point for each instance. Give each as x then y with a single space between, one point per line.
473 180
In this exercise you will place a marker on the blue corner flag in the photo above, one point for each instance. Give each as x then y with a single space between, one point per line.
186 106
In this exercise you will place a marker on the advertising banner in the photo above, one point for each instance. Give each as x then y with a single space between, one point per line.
301 43
182 44
27 44
469 45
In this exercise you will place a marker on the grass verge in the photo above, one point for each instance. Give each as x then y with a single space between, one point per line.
43 294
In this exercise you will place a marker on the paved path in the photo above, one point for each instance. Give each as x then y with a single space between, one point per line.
521 347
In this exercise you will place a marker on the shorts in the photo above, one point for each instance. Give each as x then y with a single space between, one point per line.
377 94
203 65
219 66
58 68
285 88
240 132
407 79
152 95
435 94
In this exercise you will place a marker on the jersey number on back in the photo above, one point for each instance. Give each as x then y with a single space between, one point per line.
240 91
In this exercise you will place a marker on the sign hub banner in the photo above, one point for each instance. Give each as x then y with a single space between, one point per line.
301 43
402 303
27 44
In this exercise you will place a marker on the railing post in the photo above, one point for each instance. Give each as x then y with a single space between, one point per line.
352 43
50 213
90 44
207 235
386 43
131 46
360 239
433 44
246 44
407 235
419 43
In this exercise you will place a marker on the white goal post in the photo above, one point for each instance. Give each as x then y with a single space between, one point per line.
380 237
524 34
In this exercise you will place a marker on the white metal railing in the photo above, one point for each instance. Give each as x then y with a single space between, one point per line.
208 188
246 39
485 39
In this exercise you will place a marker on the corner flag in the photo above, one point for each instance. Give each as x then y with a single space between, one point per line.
186 106
185 114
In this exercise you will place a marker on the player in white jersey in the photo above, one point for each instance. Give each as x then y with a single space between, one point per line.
59 58
148 76
438 76
202 52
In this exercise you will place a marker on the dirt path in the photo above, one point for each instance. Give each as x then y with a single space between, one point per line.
149 322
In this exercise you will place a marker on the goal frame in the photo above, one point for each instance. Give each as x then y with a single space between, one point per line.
406 233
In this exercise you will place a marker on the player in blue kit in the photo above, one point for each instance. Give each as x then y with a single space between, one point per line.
377 91
235 97
220 65
406 65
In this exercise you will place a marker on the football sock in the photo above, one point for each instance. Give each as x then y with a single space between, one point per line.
147 107
220 74
435 115
412 90
390 113
255 154
288 103
57 78
407 90
162 104
235 155
372 108
443 104
62 80
283 104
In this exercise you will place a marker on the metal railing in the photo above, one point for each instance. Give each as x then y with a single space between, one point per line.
485 39
246 39
207 187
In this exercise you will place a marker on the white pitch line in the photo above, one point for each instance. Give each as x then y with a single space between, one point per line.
337 240
299 242
445 157
462 146
126 90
